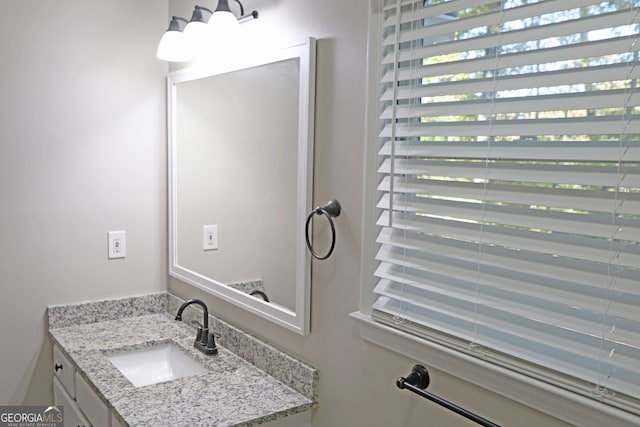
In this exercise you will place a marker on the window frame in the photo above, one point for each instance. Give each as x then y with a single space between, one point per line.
560 403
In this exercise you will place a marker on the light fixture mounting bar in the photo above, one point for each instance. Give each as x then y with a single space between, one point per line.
248 17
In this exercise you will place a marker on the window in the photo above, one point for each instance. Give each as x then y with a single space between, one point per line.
507 187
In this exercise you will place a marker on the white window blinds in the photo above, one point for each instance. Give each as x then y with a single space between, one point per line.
509 183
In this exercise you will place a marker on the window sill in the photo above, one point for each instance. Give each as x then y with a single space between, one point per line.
557 402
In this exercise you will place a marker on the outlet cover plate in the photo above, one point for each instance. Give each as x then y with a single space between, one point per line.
117 244
209 237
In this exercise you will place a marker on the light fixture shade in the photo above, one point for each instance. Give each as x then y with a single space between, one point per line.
223 22
197 32
173 47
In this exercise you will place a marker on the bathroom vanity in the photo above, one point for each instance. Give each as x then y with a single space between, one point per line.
247 383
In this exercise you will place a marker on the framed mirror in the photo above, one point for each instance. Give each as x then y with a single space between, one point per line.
240 139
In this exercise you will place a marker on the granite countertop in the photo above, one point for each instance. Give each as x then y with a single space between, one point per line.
233 392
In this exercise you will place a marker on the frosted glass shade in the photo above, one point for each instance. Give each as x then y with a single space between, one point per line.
173 47
223 23
196 32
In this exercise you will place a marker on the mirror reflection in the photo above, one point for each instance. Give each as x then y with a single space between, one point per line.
240 156
237 170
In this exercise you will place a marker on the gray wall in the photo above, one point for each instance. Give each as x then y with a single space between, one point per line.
82 152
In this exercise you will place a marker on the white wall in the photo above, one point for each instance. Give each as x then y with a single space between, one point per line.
82 152
356 378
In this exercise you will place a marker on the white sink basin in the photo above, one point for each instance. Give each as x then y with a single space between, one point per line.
157 364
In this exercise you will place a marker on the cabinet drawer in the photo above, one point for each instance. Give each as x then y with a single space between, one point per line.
63 370
72 415
94 408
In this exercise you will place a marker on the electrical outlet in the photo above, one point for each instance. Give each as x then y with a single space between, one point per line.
117 244
209 237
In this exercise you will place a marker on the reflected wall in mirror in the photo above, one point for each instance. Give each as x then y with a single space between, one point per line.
240 160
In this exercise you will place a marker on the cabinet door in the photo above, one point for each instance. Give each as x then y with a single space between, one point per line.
92 406
72 415
63 370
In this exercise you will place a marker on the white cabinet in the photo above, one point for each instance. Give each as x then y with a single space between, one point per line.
95 410
73 417
82 405
64 371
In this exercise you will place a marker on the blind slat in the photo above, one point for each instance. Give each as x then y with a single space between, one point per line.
521 261
569 126
538 103
554 78
594 151
414 10
598 226
575 51
567 199
582 175
433 31
453 280
551 244
537 310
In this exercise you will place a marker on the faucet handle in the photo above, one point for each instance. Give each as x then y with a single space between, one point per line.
199 330
211 344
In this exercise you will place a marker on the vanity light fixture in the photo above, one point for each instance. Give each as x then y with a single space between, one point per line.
223 20
197 28
173 45
179 46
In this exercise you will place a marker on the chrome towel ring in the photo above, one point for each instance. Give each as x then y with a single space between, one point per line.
331 209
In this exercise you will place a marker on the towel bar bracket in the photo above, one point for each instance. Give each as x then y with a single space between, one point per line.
418 377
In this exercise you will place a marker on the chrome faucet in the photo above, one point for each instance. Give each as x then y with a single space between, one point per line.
205 340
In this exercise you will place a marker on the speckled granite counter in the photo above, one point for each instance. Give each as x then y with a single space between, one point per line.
234 392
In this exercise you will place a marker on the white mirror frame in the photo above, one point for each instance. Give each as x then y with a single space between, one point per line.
297 320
